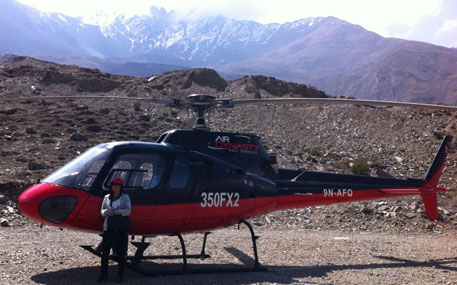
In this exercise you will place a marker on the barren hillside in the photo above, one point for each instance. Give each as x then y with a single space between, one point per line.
37 137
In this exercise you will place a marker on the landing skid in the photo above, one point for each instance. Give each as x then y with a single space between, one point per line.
135 262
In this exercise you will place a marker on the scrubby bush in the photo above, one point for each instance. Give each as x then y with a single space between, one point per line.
360 167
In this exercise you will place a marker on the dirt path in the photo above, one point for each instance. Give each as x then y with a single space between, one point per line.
50 256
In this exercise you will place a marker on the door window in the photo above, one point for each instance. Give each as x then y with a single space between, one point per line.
180 173
138 171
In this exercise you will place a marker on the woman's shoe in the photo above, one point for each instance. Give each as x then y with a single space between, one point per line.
101 278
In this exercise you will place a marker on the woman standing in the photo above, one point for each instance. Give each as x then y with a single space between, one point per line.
115 209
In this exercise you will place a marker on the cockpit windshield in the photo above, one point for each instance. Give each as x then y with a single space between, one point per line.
81 172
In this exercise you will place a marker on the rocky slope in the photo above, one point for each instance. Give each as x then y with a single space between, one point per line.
37 137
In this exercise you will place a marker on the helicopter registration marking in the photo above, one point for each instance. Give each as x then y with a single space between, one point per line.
330 192
217 199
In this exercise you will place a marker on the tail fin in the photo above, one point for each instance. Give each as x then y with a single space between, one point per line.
433 176
434 173
431 205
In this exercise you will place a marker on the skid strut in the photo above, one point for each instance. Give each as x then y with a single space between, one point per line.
254 239
136 265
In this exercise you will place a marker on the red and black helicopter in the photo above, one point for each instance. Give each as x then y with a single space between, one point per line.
197 180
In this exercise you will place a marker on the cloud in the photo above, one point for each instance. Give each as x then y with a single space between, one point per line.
233 9
437 27
446 34
448 26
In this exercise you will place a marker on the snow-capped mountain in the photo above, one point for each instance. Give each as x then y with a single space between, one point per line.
205 41
27 30
337 57
158 35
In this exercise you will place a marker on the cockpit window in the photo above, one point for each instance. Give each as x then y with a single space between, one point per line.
89 178
138 171
81 172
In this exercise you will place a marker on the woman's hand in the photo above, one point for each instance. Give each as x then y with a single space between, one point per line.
111 213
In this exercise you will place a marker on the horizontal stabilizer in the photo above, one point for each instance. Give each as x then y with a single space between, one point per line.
402 191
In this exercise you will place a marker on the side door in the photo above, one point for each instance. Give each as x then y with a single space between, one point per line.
174 199
142 175
220 198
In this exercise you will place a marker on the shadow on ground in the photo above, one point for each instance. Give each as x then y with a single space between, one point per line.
275 274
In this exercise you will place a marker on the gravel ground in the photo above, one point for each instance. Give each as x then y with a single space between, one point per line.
30 255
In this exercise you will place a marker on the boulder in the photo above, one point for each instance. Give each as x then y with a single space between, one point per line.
94 128
3 199
30 131
77 136
8 111
91 121
410 215
13 187
145 118
35 166
82 107
10 210
4 223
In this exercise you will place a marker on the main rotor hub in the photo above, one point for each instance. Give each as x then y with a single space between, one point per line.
201 103
202 98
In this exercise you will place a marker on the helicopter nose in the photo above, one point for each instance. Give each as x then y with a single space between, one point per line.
36 203
28 203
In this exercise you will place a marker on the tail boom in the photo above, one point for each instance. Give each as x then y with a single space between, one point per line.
314 188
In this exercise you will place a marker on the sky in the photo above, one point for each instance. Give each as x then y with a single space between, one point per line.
432 21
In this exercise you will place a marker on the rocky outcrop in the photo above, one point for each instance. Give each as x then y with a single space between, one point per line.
258 84
185 79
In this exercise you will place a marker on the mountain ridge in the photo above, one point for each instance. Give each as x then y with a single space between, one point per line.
338 57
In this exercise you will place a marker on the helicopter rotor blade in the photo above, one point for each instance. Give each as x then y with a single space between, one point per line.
171 102
189 102
337 101
227 102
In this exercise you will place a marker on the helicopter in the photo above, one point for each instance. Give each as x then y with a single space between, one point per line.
198 180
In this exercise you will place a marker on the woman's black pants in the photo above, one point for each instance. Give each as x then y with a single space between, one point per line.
117 240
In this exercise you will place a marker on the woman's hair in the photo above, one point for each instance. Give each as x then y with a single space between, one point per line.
111 190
